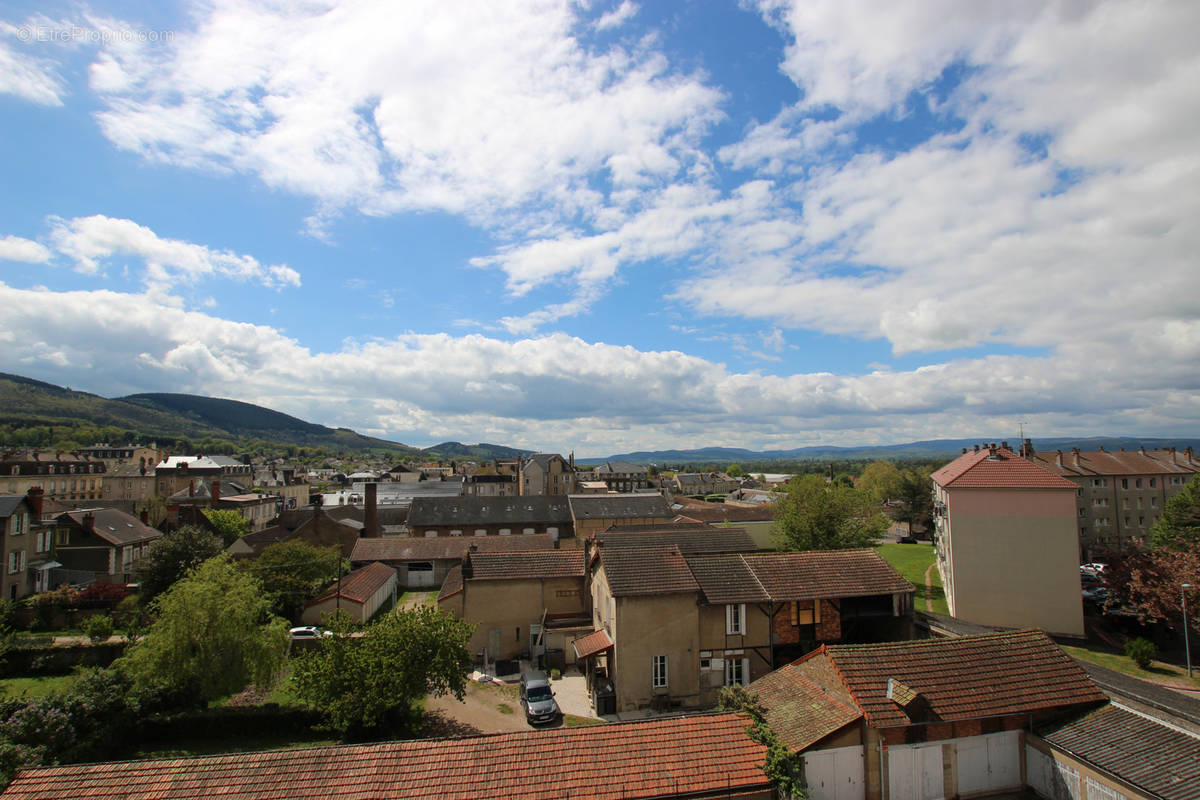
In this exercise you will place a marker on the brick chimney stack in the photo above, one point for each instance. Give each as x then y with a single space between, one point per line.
145 516
35 497
89 522
215 491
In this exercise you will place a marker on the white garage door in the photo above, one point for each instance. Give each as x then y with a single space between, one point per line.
420 574
835 774
915 772
989 763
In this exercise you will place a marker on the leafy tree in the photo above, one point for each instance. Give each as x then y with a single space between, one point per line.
168 559
783 767
916 499
734 471
292 572
371 684
214 636
229 523
1150 582
881 478
97 627
814 515
1179 526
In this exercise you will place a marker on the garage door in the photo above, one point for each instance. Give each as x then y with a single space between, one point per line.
989 763
835 774
420 574
915 772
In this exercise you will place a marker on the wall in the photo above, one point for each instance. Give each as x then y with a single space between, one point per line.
509 605
1011 558
656 625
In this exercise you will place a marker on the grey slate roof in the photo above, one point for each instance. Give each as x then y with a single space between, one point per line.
9 503
620 467
616 506
1160 759
414 548
113 526
462 510
689 539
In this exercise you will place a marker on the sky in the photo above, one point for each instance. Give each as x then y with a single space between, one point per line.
608 226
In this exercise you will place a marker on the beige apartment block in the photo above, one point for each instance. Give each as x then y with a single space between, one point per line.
1007 543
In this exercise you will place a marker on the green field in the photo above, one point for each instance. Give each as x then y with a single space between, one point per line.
1159 672
14 688
911 561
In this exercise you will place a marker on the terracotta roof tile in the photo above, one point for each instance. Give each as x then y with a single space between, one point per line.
453 584
647 570
965 677
826 574
999 469
523 565
593 643
433 548
1163 761
800 710
360 585
708 756
726 578
1122 462
695 538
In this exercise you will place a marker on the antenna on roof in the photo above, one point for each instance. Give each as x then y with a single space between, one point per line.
1021 428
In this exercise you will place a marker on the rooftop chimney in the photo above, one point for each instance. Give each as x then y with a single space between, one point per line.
371 513
976 448
191 488
145 516
1058 457
215 491
1142 449
1005 445
35 496
89 522
964 451
1075 453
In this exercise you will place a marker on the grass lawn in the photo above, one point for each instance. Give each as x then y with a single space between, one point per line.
11 688
206 746
572 721
1119 662
911 561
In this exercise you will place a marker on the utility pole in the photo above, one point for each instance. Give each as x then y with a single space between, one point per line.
1186 646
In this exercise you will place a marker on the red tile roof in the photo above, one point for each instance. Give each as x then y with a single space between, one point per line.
647 570
593 643
800 710
826 574
453 584
524 565
998 469
963 678
360 585
702 756
1122 462
726 578
434 548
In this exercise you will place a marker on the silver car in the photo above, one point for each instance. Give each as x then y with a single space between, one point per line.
538 699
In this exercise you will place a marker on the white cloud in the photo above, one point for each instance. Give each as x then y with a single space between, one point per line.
92 241
27 77
14 248
561 392
618 16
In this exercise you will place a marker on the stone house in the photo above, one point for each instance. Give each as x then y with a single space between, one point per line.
361 594
623 476
489 516
423 563
546 473
595 513
101 545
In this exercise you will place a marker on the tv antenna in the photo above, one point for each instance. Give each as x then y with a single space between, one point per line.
1021 429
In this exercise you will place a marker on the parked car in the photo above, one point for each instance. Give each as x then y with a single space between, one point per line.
538 699
907 539
308 632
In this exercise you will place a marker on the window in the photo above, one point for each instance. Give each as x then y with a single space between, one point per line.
43 541
18 524
16 562
1082 512
1154 483
506 531
735 619
456 532
480 532
658 671
1099 482
1154 502
1124 483
430 534
736 671
1138 483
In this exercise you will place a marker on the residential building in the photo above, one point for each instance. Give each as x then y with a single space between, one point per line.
100 545
1121 494
922 720
128 485
703 483
20 545
483 484
489 516
546 473
123 455
423 563
259 509
1007 543
288 484
518 600
594 513
63 477
698 758
672 623
623 476
319 529
401 473
361 594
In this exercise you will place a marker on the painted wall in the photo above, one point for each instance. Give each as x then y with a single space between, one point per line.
511 606
653 625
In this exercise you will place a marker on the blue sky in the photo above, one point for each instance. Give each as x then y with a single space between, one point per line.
605 226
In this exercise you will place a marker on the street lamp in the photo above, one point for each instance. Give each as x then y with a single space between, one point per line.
1186 648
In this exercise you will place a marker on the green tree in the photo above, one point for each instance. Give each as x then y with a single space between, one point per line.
916 499
214 636
168 559
230 525
814 515
783 767
734 471
371 684
881 478
291 573
1179 526
97 627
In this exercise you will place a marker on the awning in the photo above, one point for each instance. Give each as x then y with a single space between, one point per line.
592 644
47 565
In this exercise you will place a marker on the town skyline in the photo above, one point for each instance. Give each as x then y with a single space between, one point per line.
627 226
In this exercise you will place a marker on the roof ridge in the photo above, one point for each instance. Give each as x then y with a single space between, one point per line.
753 574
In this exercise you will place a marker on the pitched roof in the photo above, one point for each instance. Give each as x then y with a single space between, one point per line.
360 585
595 642
726 578
524 565
647 570
705 756
624 467
443 510
453 583
800 710
113 526
826 573
618 506
9 503
434 548
698 538
1122 462
1163 760
963 678
998 469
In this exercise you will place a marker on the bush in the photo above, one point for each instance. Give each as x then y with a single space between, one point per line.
97 627
1142 651
101 594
